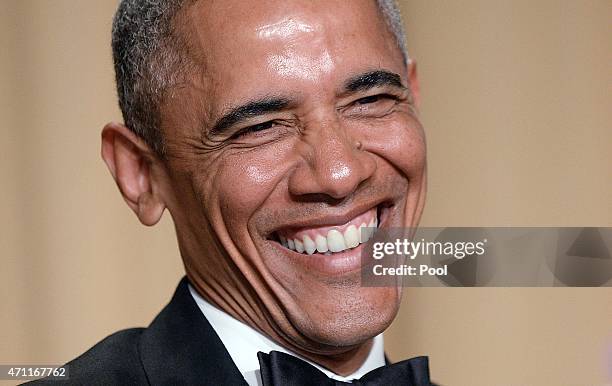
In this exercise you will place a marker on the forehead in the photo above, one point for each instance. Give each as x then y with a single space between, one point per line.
247 48
221 21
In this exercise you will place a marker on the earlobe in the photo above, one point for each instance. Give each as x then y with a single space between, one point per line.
150 210
414 82
130 161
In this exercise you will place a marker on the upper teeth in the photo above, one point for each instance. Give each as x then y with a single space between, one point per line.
334 241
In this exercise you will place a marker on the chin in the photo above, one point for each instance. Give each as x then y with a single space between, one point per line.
344 318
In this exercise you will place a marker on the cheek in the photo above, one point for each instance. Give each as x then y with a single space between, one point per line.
402 143
244 182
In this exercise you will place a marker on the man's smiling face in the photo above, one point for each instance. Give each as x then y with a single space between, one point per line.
296 127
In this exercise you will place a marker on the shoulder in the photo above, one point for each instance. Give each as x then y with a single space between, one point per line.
178 347
114 360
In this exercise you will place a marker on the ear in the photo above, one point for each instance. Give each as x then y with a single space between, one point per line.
414 82
130 161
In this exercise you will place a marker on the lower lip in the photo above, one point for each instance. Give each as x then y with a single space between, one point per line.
342 263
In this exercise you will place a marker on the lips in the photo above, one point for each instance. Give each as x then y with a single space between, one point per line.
331 239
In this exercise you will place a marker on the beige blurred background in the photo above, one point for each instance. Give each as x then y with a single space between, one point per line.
516 101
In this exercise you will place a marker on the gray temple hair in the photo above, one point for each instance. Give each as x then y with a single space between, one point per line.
149 58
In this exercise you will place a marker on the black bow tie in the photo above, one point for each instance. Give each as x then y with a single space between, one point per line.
280 369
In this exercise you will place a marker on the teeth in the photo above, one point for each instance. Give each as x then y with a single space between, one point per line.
299 246
364 233
335 241
351 237
372 227
321 244
309 245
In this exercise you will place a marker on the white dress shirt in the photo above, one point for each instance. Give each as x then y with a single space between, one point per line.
243 342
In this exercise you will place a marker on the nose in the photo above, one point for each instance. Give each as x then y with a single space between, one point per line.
335 163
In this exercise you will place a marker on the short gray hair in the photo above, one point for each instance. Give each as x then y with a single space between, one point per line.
393 18
148 57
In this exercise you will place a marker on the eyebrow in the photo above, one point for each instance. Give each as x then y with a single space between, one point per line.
373 79
249 110
266 105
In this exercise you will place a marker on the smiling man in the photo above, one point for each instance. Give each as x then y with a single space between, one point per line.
275 133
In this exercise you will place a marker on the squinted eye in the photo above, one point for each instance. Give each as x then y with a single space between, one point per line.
255 128
260 126
374 98
372 106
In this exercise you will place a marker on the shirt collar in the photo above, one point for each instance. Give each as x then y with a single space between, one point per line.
243 342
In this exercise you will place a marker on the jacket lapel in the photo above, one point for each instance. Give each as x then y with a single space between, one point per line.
180 347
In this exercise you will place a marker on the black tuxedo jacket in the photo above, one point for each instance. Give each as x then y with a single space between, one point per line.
180 347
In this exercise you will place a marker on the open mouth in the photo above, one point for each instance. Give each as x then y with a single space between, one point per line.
327 240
